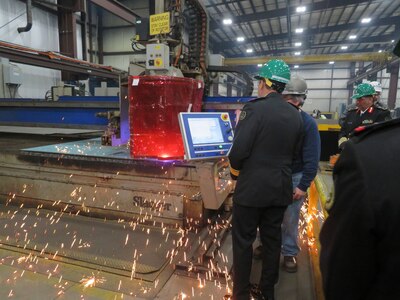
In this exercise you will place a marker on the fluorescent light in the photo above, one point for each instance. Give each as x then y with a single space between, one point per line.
331 62
297 53
344 47
249 50
380 51
240 39
138 21
227 21
299 30
259 65
301 9
296 66
298 44
366 20
352 37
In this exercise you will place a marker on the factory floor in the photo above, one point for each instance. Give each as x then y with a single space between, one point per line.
47 255
31 269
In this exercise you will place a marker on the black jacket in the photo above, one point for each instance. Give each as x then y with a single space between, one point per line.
266 140
354 118
360 240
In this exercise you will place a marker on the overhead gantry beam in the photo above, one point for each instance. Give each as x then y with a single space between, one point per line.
117 9
370 56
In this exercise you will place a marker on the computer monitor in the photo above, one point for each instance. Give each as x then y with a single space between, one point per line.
206 134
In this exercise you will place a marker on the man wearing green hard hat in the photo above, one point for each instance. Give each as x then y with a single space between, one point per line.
365 114
267 138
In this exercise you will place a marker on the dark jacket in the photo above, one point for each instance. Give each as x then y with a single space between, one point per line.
360 239
266 137
353 106
354 119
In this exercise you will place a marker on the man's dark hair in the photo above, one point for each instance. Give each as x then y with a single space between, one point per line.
278 86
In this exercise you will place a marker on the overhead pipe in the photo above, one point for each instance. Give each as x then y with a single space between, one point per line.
28 18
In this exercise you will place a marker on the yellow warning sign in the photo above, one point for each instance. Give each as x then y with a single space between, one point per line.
159 23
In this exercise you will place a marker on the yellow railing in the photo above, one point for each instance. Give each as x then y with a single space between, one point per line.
318 196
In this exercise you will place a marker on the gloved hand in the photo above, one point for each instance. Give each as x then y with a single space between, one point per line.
342 142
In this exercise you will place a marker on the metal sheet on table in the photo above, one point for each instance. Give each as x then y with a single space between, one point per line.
90 147
45 130
134 249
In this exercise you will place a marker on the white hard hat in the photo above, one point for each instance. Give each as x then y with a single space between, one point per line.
377 86
296 86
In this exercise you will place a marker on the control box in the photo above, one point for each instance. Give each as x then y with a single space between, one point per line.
157 57
206 134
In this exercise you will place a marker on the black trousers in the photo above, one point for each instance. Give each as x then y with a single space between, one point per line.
245 221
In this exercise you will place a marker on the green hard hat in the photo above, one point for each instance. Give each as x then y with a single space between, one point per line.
275 69
364 89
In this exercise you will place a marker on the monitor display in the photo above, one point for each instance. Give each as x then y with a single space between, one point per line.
205 130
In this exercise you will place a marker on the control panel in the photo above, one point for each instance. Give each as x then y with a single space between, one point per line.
206 134
157 56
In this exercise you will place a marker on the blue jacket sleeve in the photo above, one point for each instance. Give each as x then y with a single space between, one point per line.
310 153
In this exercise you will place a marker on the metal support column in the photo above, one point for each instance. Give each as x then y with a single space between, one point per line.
100 38
350 86
394 78
215 91
229 86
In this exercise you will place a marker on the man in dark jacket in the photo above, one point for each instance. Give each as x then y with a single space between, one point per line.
365 114
360 239
266 141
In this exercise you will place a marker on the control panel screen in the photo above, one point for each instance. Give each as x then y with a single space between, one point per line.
205 131
206 134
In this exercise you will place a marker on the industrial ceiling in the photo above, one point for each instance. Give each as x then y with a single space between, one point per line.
277 27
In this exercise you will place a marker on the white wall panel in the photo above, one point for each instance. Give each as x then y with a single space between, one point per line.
118 40
117 61
315 74
339 83
318 84
43 36
341 73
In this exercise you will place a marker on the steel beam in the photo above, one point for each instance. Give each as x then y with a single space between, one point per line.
376 69
380 57
117 9
35 59
394 78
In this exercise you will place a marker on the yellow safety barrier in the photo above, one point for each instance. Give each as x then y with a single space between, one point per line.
318 196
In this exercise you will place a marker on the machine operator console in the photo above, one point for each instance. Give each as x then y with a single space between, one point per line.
206 134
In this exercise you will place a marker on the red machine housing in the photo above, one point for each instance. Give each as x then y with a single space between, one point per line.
155 102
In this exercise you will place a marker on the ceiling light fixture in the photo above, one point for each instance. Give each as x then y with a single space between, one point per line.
344 47
299 30
296 66
365 20
227 21
380 51
298 44
331 62
392 41
301 9
249 50
240 39
352 37
259 65
297 53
